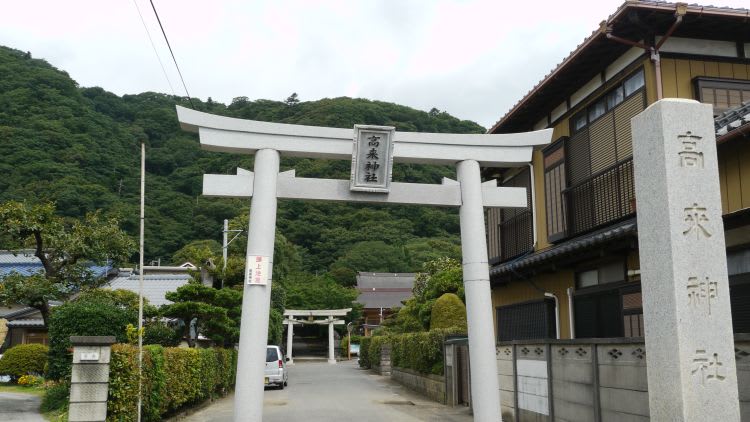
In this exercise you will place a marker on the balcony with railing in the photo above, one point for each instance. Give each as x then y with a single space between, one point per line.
515 234
604 198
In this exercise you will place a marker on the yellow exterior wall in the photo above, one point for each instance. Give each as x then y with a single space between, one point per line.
734 160
734 176
522 291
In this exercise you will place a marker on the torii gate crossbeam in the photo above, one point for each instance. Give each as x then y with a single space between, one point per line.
466 151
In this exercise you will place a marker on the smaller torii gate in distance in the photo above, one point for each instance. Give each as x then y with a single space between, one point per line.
311 314
372 153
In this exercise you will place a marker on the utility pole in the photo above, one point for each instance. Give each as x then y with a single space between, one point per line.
225 245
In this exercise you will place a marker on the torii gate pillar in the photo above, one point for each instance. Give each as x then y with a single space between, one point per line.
372 155
256 299
476 272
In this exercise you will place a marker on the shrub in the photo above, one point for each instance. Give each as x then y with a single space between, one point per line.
92 316
447 312
161 334
30 380
172 378
364 355
375 347
55 396
422 352
24 359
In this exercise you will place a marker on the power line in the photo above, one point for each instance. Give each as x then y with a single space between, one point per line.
154 47
172 53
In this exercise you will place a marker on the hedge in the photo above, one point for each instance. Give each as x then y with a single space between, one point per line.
24 359
364 355
420 351
172 378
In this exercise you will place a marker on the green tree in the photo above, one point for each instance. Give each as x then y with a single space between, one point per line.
197 252
65 249
309 291
438 277
88 315
217 311
371 256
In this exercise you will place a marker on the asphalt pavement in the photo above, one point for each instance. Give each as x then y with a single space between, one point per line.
16 407
320 392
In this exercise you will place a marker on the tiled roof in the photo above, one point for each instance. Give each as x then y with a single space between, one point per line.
26 323
593 42
25 263
385 280
155 287
383 299
20 257
575 245
732 120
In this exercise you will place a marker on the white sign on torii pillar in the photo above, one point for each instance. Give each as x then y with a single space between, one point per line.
466 151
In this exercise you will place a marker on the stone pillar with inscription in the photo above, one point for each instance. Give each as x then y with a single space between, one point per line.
89 379
688 322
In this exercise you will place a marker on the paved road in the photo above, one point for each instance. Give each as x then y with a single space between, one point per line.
342 392
20 407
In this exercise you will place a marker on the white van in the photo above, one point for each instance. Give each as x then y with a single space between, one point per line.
276 373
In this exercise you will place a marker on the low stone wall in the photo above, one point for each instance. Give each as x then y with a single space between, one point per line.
432 386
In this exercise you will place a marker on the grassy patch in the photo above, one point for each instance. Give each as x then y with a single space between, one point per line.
59 415
12 388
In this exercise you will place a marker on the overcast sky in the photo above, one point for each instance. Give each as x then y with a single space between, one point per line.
473 59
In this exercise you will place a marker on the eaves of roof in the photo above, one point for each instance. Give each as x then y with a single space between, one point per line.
621 230
19 313
26 323
596 52
733 123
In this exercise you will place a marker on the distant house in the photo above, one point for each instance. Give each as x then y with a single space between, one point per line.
157 281
379 293
21 324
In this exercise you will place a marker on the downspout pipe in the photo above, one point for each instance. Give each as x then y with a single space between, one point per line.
680 11
571 317
557 312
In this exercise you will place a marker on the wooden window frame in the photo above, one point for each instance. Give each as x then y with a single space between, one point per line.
585 111
701 82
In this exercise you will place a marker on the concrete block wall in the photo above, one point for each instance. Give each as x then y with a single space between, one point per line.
532 383
623 385
507 379
430 385
573 383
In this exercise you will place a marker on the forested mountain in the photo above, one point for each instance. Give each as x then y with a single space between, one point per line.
80 148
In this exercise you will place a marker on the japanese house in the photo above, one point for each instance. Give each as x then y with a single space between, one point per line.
379 293
567 266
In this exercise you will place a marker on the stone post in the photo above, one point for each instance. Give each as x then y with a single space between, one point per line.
290 339
331 356
688 321
89 382
476 270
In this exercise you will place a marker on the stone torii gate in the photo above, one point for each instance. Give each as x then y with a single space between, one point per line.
311 314
373 152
